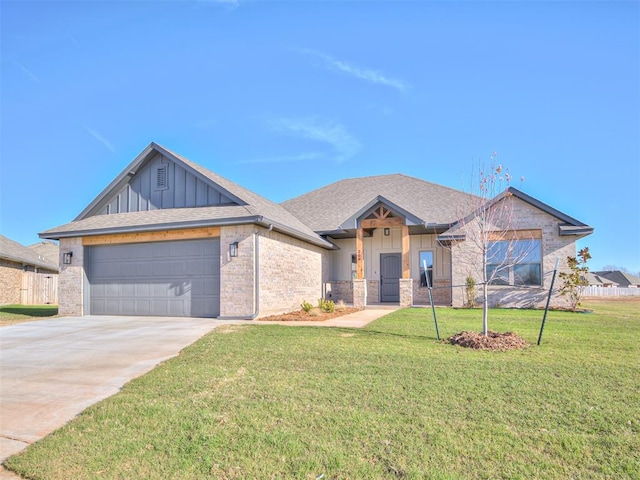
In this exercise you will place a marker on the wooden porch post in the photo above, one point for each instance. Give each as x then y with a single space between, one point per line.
360 254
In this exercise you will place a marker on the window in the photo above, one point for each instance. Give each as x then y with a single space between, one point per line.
426 258
514 262
354 266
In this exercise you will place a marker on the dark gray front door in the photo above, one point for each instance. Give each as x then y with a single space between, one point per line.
390 273
180 278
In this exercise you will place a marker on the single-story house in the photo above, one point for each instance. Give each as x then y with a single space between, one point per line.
47 250
595 280
26 276
169 237
619 278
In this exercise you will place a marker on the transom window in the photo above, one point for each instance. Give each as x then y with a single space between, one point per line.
426 258
514 262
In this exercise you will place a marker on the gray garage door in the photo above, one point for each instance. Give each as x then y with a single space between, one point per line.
180 278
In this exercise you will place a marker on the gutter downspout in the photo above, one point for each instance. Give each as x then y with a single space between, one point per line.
256 280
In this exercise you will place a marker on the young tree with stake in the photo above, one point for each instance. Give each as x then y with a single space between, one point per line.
487 242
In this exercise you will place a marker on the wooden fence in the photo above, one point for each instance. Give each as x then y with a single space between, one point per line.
611 292
39 288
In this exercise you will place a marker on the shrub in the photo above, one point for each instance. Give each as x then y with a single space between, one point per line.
306 306
340 305
575 281
470 292
326 305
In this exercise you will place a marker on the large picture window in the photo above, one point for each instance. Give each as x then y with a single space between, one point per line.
514 262
426 258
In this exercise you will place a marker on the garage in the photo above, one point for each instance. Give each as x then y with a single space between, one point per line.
176 278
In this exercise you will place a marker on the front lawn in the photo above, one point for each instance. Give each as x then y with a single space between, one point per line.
12 314
387 401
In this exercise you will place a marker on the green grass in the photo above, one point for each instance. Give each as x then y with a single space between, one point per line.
11 314
388 401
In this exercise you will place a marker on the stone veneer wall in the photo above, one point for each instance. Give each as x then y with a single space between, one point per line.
339 290
237 293
71 278
290 271
373 291
406 292
441 293
554 247
10 281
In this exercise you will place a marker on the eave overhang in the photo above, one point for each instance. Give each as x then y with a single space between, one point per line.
352 222
564 229
219 222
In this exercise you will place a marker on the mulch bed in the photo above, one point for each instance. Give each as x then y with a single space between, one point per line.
491 341
313 316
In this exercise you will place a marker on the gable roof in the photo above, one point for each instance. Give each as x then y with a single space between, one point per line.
570 225
623 279
47 250
598 280
334 207
15 252
250 208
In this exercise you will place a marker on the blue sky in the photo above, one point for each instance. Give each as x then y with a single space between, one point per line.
285 97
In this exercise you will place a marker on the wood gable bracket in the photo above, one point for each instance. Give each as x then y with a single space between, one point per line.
382 217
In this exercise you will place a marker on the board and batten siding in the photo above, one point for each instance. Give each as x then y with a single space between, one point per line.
340 261
181 189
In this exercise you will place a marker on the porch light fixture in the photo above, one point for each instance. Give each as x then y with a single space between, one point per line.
387 232
66 258
233 249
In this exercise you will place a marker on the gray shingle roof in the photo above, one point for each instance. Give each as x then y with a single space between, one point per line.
326 209
623 279
50 251
252 209
15 252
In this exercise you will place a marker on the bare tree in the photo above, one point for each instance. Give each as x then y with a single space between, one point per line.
488 242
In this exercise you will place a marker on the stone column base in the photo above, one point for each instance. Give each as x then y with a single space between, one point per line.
359 293
406 292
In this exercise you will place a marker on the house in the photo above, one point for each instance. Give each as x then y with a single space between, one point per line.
619 278
169 237
47 250
595 280
26 277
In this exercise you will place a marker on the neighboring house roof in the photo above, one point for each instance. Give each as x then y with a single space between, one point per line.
50 251
15 252
598 280
623 279
335 207
250 208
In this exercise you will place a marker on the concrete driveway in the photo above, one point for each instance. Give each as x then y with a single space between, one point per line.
51 370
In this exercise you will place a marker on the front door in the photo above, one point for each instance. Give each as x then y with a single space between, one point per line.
390 273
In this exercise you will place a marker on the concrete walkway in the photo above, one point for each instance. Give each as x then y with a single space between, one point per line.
353 320
51 370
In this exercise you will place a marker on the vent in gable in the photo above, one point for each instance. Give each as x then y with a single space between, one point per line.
161 177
